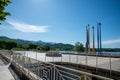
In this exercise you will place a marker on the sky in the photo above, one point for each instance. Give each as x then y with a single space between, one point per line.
63 21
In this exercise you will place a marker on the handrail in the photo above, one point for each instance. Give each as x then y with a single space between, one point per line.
54 66
82 72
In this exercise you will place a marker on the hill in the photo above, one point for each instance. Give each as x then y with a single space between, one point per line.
58 46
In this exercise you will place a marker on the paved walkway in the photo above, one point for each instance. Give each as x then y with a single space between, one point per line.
4 72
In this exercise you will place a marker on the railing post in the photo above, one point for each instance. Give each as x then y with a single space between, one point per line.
45 57
69 58
77 60
37 67
61 58
110 64
53 59
13 57
96 62
54 72
38 70
36 55
85 77
86 60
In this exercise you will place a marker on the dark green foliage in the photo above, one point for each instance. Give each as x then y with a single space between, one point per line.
32 46
2 45
45 48
41 45
3 13
79 47
8 44
23 42
61 46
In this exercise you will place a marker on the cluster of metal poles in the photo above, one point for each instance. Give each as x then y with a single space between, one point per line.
99 43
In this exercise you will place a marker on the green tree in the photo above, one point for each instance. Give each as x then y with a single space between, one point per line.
7 44
3 13
10 44
2 44
38 48
79 47
32 46
44 48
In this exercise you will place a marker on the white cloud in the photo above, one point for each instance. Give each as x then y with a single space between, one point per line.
108 42
23 27
111 41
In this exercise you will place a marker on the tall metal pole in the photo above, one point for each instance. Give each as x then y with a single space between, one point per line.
89 38
86 40
98 37
86 46
93 41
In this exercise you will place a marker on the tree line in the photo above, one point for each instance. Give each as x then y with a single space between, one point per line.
13 45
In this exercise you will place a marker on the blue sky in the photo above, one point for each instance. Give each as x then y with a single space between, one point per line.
63 20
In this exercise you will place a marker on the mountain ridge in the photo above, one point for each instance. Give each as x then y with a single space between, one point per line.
40 43
22 41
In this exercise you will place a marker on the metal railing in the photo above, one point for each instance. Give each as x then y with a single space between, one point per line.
48 71
98 61
36 65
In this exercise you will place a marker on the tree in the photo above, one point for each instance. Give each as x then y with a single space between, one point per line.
2 44
79 47
44 48
3 13
32 46
10 44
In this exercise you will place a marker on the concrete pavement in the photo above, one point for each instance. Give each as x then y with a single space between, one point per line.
4 72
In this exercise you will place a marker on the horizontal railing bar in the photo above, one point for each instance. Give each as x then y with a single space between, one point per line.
68 73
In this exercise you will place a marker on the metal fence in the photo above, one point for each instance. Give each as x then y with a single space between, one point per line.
109 62
48 71
38 67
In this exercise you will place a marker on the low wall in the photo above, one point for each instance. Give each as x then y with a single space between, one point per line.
4 59
19 72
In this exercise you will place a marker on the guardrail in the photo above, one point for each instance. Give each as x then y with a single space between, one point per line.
49 71
37 70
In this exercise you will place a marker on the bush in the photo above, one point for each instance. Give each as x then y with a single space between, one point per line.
53 54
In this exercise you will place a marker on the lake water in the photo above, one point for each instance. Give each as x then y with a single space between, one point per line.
74 52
